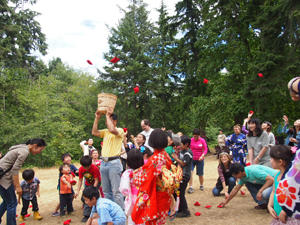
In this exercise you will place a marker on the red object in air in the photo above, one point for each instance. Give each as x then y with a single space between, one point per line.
115 59
136 89
17 215
67 222
27 215
197 214
205 81
125 129
260 75
251 112
89 62
197 204
208 206
30 206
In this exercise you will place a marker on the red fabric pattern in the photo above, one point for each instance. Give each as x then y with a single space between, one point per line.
152 204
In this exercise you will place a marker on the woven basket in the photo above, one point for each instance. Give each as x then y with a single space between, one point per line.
106 100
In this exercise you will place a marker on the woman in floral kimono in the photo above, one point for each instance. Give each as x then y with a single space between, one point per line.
154 197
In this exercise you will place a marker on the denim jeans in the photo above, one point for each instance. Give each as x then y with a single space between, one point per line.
230 182
110 180
35 206
254 188
183 207
9 204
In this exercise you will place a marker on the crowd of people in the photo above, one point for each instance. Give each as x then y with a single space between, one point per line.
144 179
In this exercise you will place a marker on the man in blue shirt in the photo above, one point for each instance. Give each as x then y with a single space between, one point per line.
109 212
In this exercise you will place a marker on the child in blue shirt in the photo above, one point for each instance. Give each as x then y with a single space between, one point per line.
30 189
109 212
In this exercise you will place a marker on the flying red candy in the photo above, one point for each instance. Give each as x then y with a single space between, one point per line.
260 75
89 62
251 112
136 89
115 59
125 129
27 215
205 81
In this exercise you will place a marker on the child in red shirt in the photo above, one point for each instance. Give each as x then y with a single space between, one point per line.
91 174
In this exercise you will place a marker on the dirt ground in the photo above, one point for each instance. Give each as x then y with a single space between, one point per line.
240 210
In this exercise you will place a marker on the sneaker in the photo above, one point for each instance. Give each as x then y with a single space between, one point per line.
202 188
55 214
190 190
37 216
84 219
262 206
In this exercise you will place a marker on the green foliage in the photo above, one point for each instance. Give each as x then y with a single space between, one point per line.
20 35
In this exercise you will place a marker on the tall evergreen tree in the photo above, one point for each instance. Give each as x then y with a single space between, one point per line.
20 34
132 42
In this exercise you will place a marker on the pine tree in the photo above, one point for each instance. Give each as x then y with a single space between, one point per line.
132 42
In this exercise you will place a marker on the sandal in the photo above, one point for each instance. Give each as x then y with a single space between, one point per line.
172 216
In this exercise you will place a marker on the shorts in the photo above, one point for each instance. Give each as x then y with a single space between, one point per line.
199 165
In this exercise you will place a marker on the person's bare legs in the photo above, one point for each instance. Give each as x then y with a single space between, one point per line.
56 213
201 180
190 189
191 180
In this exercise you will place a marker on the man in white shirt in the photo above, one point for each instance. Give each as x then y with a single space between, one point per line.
147 130
87 147
221 139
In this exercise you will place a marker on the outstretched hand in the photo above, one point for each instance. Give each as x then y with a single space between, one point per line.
286 119
250 114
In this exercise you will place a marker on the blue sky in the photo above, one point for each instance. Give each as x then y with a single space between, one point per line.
76 30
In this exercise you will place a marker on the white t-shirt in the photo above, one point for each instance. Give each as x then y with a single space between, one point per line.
147 135
86 148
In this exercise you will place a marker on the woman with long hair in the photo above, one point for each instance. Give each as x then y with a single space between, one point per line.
258 144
